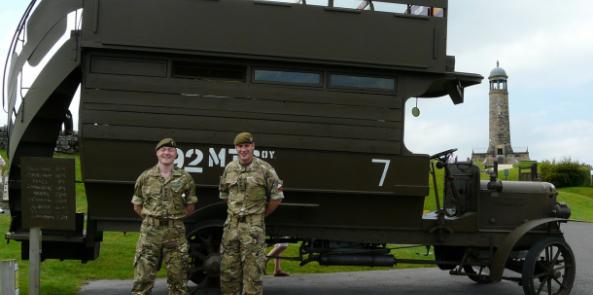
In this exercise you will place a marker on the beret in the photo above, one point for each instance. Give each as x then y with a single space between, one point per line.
243 137
165 142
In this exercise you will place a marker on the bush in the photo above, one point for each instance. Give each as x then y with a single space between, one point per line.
565 173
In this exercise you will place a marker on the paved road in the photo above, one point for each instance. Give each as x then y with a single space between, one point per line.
425 281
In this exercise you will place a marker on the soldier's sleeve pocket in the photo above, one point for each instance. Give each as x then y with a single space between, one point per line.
277 186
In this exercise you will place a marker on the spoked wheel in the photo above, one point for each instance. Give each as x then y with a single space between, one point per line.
204 244
549 268
478 273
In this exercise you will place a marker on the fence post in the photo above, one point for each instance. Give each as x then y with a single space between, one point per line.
8 271
34 260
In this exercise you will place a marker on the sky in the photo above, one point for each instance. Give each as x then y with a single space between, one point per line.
546 49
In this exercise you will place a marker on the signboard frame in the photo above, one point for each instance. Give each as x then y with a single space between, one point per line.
49 194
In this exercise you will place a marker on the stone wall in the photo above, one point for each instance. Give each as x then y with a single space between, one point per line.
488 158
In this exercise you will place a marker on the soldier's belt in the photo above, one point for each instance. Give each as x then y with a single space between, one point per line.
253 218
161 221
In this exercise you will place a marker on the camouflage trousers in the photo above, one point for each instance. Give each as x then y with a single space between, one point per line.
161 243
243 258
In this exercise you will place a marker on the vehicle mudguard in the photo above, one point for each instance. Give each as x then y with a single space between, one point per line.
503 252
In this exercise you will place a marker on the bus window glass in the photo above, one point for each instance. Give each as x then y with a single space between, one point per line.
426 11
361 82
287 77
438 12
419 10
207 71
390 7
350 4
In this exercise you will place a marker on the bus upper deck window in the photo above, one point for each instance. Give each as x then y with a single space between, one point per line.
362 82
287 77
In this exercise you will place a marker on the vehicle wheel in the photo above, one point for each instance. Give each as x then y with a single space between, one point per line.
478 273
549 268
204 252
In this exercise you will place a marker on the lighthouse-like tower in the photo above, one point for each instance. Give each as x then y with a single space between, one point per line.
499 146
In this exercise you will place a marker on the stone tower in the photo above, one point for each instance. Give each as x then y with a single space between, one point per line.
500 131
499 146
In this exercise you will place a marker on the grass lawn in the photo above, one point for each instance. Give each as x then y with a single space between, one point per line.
579 200
117 249
65 277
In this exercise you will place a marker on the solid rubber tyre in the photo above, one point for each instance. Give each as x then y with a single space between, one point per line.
549 268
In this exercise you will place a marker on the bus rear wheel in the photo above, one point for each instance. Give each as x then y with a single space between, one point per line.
204 252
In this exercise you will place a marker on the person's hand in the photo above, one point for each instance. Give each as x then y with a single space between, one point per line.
138 210
189 209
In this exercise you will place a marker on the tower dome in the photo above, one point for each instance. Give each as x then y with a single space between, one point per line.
498 73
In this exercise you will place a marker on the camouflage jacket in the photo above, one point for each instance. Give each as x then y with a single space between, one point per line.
164 198
246 188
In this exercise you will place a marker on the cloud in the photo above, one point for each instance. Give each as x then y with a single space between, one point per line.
431 134
573 147
558 140
537 44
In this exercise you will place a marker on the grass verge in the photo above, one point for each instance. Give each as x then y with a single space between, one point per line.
579 200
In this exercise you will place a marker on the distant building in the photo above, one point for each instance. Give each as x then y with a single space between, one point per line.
499 147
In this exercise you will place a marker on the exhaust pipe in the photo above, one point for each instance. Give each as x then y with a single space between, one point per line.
357 260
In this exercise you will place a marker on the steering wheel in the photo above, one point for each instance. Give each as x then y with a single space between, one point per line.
443 153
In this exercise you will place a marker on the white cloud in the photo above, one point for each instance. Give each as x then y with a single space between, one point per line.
543 58
568 146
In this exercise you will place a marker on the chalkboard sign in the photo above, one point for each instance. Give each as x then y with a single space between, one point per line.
48 193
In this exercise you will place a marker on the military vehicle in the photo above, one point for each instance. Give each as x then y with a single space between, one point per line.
321 84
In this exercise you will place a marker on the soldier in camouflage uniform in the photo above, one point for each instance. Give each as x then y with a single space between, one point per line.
163 196
252 191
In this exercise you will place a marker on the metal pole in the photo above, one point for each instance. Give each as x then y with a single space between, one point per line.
5 188
8 269
34 260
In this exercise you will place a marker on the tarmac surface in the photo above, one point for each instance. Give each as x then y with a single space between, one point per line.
425 281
